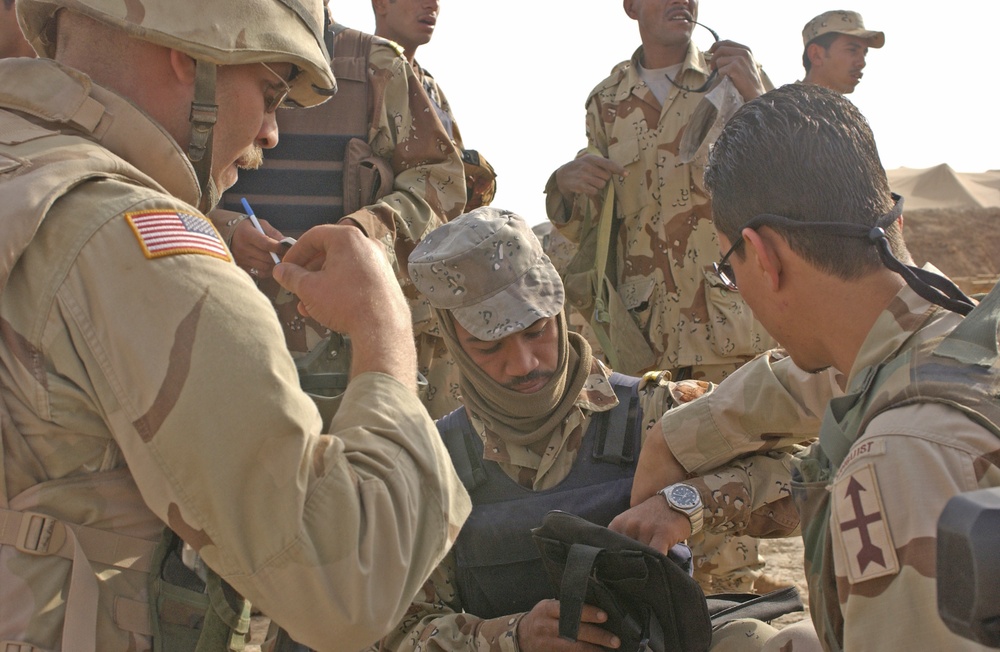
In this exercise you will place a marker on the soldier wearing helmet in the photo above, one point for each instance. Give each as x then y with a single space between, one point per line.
143 380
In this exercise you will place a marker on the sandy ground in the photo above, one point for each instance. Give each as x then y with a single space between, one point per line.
784 563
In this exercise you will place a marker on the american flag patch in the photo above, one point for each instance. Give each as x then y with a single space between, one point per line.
168 233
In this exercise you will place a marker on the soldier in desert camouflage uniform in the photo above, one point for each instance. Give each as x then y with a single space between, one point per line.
836 45
918 420
636 118
404 132
411 23
142 376
537 409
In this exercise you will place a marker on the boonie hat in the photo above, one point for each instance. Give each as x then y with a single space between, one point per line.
841 21
488 269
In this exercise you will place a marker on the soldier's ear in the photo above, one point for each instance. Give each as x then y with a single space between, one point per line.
815 52
763 255
183 66
629 6
380 7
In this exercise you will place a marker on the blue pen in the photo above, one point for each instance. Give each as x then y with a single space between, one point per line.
256 225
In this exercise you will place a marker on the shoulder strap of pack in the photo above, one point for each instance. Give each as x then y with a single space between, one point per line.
350 49
461 441
615 442
976 340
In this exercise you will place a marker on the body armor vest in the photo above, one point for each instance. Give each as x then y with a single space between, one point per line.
301 183
500 569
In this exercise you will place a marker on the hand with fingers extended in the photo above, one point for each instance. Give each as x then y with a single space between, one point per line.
538 631
344 281
252 249
736 61
586 175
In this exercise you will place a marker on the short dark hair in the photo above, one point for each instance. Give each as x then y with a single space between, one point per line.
804 152
824 41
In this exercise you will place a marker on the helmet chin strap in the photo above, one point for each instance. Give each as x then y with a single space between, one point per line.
204 112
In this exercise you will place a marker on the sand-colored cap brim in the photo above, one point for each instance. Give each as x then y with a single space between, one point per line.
873 39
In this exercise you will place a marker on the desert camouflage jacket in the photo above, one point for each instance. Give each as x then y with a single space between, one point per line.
919 423
666 243
147 383
436 621
428 188
893 449
480 178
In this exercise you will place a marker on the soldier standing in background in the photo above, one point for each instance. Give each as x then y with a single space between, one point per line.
143 380
836 45
380 128
665 245
411 23
912 420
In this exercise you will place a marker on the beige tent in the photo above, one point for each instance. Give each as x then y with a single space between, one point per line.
942 187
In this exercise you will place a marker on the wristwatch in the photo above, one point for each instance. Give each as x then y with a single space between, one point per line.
686 499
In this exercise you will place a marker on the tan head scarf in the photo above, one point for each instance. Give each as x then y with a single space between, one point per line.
514 416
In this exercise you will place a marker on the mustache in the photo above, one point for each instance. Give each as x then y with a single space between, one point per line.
251 159
527 378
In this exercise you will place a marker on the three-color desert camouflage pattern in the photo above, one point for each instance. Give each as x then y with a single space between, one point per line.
870 550
665 250
666 242
435 620
148 384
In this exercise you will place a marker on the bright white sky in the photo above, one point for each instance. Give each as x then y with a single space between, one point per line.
517 73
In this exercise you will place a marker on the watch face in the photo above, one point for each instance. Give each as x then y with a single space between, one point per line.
684 496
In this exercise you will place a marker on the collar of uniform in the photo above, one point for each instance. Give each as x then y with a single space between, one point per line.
906 314
597 394
135 137
694 60
111 120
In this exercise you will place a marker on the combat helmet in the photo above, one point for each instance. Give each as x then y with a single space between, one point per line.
214 33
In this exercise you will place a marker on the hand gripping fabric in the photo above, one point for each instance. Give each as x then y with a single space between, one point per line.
591 291
650 598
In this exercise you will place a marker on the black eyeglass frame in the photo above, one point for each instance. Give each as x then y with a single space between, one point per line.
724 270
711 76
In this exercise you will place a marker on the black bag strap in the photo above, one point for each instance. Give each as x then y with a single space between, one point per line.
650 600
726 607
573 590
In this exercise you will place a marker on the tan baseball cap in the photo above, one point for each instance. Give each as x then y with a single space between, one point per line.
841 21
488 269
